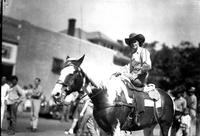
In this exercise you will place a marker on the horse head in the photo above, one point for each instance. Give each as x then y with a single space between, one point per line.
70 79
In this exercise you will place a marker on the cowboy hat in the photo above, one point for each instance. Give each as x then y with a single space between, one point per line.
135 37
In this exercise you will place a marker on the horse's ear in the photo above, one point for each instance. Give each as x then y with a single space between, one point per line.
79 61
67 58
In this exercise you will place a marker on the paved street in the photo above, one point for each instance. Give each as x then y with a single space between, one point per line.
47 127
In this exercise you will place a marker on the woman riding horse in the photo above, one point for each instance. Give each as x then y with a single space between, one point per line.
111 110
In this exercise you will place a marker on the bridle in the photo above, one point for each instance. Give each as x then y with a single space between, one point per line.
85 79
61 82
78 72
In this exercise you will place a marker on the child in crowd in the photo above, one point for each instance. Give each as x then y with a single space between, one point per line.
185 124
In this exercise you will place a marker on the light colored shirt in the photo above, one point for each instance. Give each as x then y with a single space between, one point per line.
139 59
192 102
180 104
192 105
186 120
37 91
4 89
14 95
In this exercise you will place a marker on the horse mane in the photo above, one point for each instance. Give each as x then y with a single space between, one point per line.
88 80
100 88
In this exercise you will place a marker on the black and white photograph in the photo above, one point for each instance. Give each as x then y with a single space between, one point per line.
100 68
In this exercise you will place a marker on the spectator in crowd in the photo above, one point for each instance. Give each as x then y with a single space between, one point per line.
36 97
192 105
69 101
29 91
76 115
198 118
86 114
88 119
22 106
51 102
28 103
14 96
185 125
4 88
170 93
64 114
180 106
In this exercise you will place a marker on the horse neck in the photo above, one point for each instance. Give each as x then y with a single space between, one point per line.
99 97
88 79
97 94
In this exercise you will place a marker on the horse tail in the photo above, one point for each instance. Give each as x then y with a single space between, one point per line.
167 98
156 115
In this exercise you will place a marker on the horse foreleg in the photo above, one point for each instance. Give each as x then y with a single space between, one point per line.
149 131
117 130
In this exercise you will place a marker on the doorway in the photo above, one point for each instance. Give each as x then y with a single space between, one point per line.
6 69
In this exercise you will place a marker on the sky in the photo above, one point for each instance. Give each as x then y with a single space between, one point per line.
166 21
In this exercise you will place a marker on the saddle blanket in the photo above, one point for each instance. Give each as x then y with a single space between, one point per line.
150 103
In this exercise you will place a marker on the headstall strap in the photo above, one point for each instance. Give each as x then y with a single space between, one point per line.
61 82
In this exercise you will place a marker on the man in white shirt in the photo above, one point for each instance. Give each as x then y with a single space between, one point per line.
14 97
4 88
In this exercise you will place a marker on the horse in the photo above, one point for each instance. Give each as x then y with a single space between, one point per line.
111 110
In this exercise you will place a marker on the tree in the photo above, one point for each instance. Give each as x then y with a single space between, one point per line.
176 66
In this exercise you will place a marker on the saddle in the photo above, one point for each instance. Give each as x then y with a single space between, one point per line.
146 96
148 91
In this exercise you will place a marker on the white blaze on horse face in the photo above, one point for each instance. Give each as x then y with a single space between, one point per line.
63 74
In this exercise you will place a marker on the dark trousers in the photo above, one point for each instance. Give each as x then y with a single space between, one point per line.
12 116
139 102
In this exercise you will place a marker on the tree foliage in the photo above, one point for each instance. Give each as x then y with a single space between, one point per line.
176 66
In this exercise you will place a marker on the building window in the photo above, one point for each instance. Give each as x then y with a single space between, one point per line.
9 53
57 65
6 52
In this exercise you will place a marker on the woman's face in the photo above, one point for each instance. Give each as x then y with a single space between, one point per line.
134 46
